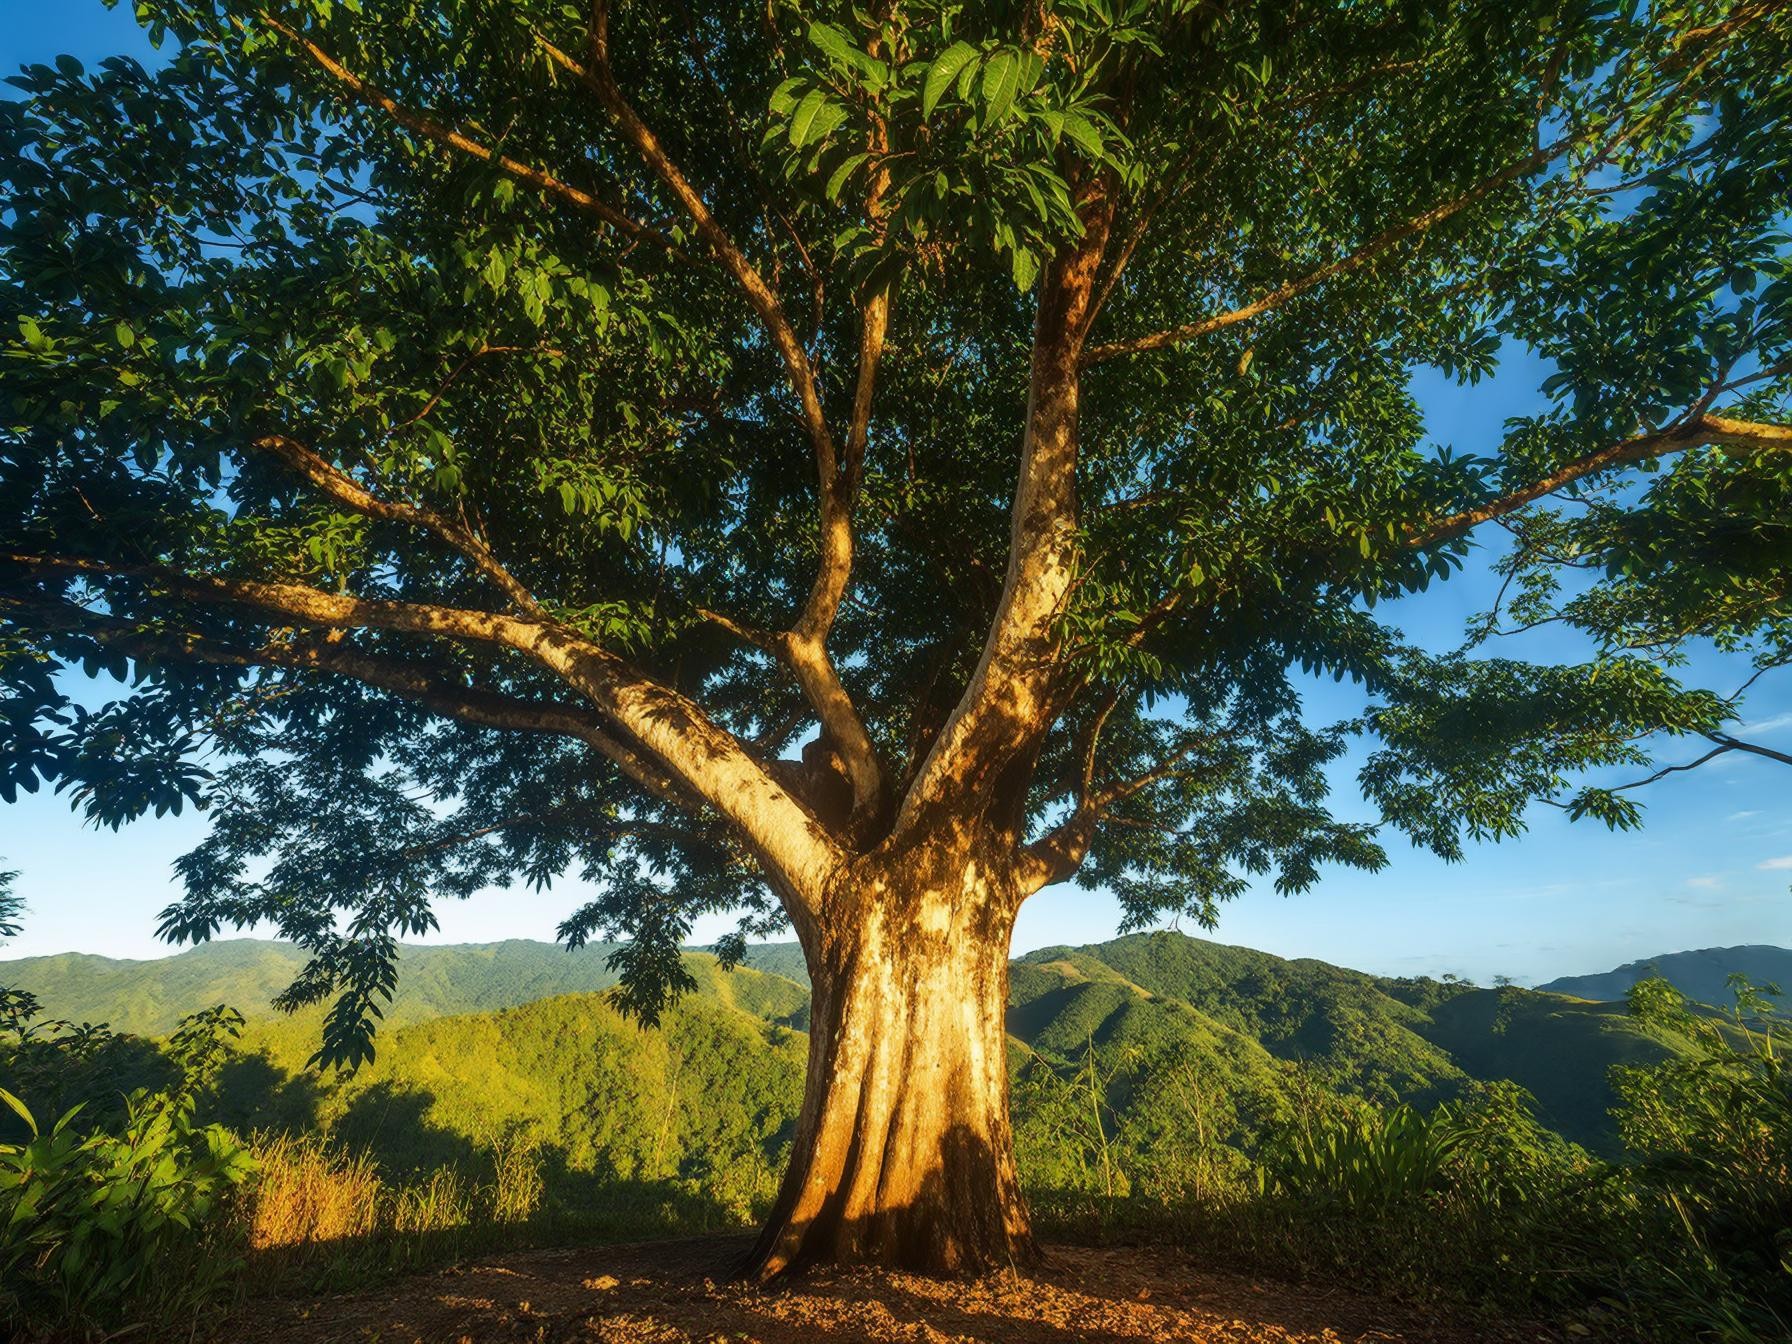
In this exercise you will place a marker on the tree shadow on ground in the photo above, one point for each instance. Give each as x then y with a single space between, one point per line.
676 1292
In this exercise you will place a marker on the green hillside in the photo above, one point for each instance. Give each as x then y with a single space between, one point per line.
148 997
708 1096
530 1040
1701 975
1357 1034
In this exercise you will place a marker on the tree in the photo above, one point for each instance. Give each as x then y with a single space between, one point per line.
859 466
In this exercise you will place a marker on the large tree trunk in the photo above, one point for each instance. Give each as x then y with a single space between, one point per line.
903 1154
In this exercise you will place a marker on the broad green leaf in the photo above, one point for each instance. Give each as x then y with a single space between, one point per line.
1080 129
942 72
837 179
1001 83
18 1108
1025 268
814 118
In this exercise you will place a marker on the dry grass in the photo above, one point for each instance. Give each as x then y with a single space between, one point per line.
311 1192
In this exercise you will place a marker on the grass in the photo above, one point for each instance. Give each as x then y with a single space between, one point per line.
323 1217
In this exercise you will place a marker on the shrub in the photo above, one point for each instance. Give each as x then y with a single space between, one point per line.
125 1221
1367 1162
1711 1133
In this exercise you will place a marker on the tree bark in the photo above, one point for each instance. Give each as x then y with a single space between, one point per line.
904 1156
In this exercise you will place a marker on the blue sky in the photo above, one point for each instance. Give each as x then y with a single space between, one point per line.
1711 867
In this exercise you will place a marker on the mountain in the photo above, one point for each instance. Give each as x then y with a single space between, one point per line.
709 1095
1416 1040
521 1020
149 997
1700 975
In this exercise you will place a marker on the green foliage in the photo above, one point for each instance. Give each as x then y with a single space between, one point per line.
102 1226
147 998
1712 1134
487 311
1367 1162
1681 1237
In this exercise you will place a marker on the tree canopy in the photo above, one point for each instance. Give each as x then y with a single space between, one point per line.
696 445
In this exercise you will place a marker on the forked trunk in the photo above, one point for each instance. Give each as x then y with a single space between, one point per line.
903 1154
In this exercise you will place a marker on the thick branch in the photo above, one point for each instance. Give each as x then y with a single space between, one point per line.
1009 702
434 689
431 129
1696 432
804 648
345 490
672 728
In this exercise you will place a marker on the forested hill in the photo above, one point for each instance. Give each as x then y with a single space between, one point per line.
1243 1016
1419 1040
1702 975
148 997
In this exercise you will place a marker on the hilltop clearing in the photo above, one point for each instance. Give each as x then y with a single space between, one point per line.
676 1292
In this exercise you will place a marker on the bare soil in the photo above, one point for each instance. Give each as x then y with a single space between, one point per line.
677 1292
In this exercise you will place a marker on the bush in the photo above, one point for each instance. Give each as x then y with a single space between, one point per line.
1368 1162
124 1222
1712 1137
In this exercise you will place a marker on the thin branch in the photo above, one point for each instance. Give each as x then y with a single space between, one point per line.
1725 745
1368 252
760 295
1752 748
1419 224
465 364
1694 432
1667 770
433 130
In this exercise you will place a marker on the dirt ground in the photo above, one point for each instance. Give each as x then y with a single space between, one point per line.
676 1292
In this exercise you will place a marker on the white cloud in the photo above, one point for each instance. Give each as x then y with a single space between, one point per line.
1775 865
1705 882
1741 816
1774 724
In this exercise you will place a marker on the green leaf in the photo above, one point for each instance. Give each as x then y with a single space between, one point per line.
838 179
942 72
1080 129
1001 84
124 335
784 96
1026 268
814 117
831 42
19 1109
